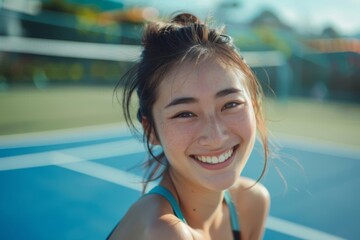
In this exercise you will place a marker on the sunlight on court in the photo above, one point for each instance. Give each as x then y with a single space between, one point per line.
93 176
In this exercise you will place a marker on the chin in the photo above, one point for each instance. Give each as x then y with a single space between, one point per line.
222 181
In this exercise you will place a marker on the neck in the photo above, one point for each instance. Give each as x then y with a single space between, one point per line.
202 208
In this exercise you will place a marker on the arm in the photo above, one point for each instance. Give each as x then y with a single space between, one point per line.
253 205
260 211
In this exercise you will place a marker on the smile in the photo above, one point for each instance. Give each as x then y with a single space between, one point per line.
216 159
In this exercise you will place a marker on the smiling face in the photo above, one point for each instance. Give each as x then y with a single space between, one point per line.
205 124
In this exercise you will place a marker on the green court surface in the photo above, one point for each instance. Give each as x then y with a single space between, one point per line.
28 109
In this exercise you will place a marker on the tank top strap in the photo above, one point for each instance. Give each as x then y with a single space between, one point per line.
233 214
170 198
177 211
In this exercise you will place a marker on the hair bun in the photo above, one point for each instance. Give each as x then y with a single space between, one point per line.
185 19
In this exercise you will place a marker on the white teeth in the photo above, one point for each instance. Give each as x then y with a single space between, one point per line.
215 159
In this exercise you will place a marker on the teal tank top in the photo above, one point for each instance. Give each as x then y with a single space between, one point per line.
175 206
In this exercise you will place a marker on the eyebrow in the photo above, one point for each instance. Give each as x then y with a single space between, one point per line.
189 100
227 91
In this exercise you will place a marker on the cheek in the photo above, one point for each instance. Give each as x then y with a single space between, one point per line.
245 123
175 141
174 137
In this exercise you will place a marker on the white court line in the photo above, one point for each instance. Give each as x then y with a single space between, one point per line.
85 153
118 148
70 135
103 172
77 159
297 230
118 130
133 181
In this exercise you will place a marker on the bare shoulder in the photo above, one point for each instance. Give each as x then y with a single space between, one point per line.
168 227
249 191
252 201
151 218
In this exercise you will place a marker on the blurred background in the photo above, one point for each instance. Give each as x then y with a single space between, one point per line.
61 59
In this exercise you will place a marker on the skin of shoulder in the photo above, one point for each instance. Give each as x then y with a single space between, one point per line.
151 217
168 227
252 202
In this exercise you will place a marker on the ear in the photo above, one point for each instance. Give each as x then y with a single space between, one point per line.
152 139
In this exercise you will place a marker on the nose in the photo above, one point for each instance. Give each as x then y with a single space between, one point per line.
214 133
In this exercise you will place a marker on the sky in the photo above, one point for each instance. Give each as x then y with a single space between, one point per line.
307 16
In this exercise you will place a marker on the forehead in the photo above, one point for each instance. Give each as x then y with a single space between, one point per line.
210 76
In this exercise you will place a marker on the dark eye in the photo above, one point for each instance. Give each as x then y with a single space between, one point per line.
230 105
184 115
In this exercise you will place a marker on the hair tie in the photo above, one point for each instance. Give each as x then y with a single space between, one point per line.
228 39
223 38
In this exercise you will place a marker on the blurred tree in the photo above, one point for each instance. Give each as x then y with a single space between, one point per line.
269 19
329 32
267 26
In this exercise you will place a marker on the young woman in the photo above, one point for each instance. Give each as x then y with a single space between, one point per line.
200 102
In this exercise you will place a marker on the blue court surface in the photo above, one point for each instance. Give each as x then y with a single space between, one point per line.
77 184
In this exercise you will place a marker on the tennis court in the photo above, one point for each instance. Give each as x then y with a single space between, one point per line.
78 183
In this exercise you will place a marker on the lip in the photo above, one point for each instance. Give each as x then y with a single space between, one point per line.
217 166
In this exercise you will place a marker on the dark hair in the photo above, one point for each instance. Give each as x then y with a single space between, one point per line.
165 45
